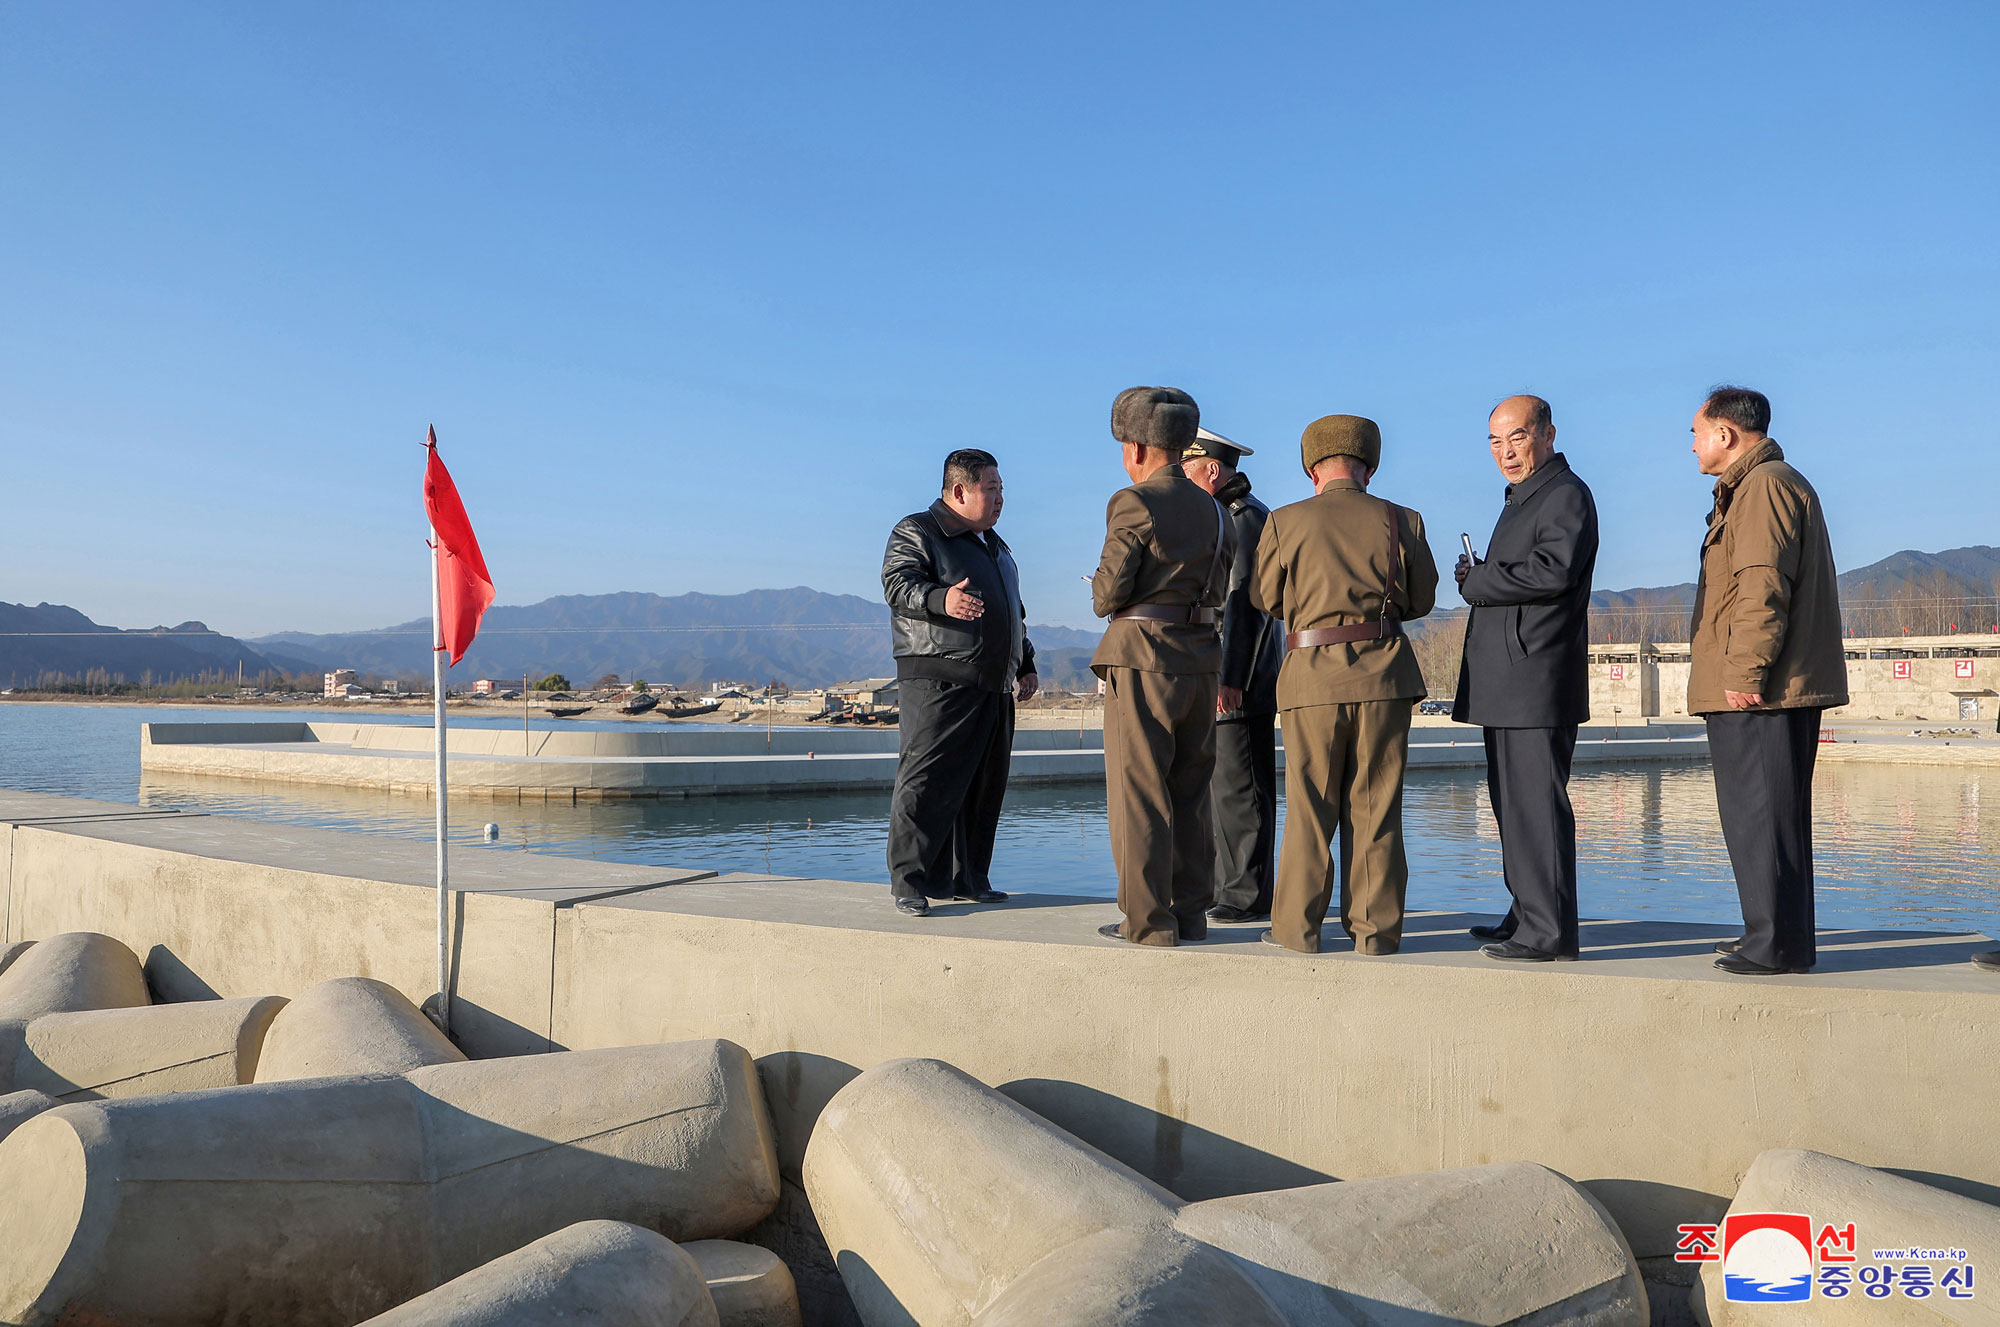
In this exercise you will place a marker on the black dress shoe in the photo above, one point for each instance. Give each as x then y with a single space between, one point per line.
1728 946
1229 916
1744 967
1500 932
983 896
1113 931
913 907
1990 960
1512 951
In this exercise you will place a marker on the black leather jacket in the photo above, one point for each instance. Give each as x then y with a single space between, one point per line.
929 552
1253 643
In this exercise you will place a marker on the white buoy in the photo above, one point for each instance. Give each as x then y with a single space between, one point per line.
492 832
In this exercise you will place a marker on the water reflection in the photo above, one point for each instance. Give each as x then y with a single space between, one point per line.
1895 845
1911 846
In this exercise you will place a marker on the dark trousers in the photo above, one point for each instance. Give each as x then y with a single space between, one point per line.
1244 794
956 741
1527 780
1763 788
1159 760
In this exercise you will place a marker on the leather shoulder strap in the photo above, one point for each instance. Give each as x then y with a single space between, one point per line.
1395 560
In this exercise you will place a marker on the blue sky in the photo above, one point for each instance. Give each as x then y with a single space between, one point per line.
698 298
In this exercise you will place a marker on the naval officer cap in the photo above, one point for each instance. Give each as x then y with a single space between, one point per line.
1162 417
1341 435
1215 445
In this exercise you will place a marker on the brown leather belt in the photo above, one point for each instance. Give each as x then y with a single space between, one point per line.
1380 629
1185 614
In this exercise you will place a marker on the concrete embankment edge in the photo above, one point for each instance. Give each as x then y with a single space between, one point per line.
1213 1070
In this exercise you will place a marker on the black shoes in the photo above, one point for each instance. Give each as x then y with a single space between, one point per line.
1728 946
983 896
1990 960
913 907
1740 966
1501 932
1510 951
1229 916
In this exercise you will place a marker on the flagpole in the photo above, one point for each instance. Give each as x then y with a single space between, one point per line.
438 726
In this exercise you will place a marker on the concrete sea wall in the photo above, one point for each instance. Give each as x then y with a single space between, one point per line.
1214 1069
581 764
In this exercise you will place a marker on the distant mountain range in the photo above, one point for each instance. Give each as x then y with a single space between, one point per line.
1956 573
51 639
798 636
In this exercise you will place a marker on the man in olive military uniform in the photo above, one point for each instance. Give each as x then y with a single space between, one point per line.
1245 791
1167 549
1344 570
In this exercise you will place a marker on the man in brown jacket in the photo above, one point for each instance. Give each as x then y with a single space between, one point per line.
1767 659
1167 550
1344 570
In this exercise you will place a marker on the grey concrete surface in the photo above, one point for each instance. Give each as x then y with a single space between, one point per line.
945 1202
1514 1242
606 1272
751 1286
10 952
1213 1069
1289 1070
69 971
188 892
935 1193
1889 1213
351 1025
17 1108
328 1200
132 1052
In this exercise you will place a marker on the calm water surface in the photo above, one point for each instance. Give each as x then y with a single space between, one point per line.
1913 846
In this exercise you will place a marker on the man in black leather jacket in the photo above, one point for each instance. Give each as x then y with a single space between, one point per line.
962 658
1244 792
1525 676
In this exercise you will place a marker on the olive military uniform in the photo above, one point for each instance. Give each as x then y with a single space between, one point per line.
1167 549
1344 570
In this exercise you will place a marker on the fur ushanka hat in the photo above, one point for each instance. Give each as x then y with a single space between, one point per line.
1163 417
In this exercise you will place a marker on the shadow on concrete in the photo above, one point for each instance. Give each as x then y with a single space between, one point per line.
797 1086
1192 1162
1965 1188
172 981
862 1281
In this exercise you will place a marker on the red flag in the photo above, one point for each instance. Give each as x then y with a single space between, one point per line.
465 591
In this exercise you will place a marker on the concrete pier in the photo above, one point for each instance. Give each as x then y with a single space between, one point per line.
579 765
1214 1069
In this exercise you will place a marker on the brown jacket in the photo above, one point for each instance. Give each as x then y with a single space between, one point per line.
1324 563
1161 547
1767 610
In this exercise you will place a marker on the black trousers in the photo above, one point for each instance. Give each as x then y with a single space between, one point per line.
956 741
1527 780
1244 794
1763 789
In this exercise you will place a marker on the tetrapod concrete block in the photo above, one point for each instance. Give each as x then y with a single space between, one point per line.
8 953
325 1201
1491 1244
751 1286
945 1202
935 1193
72 971
131 1052
351 1025
17 1108
605 1272
1887 1212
